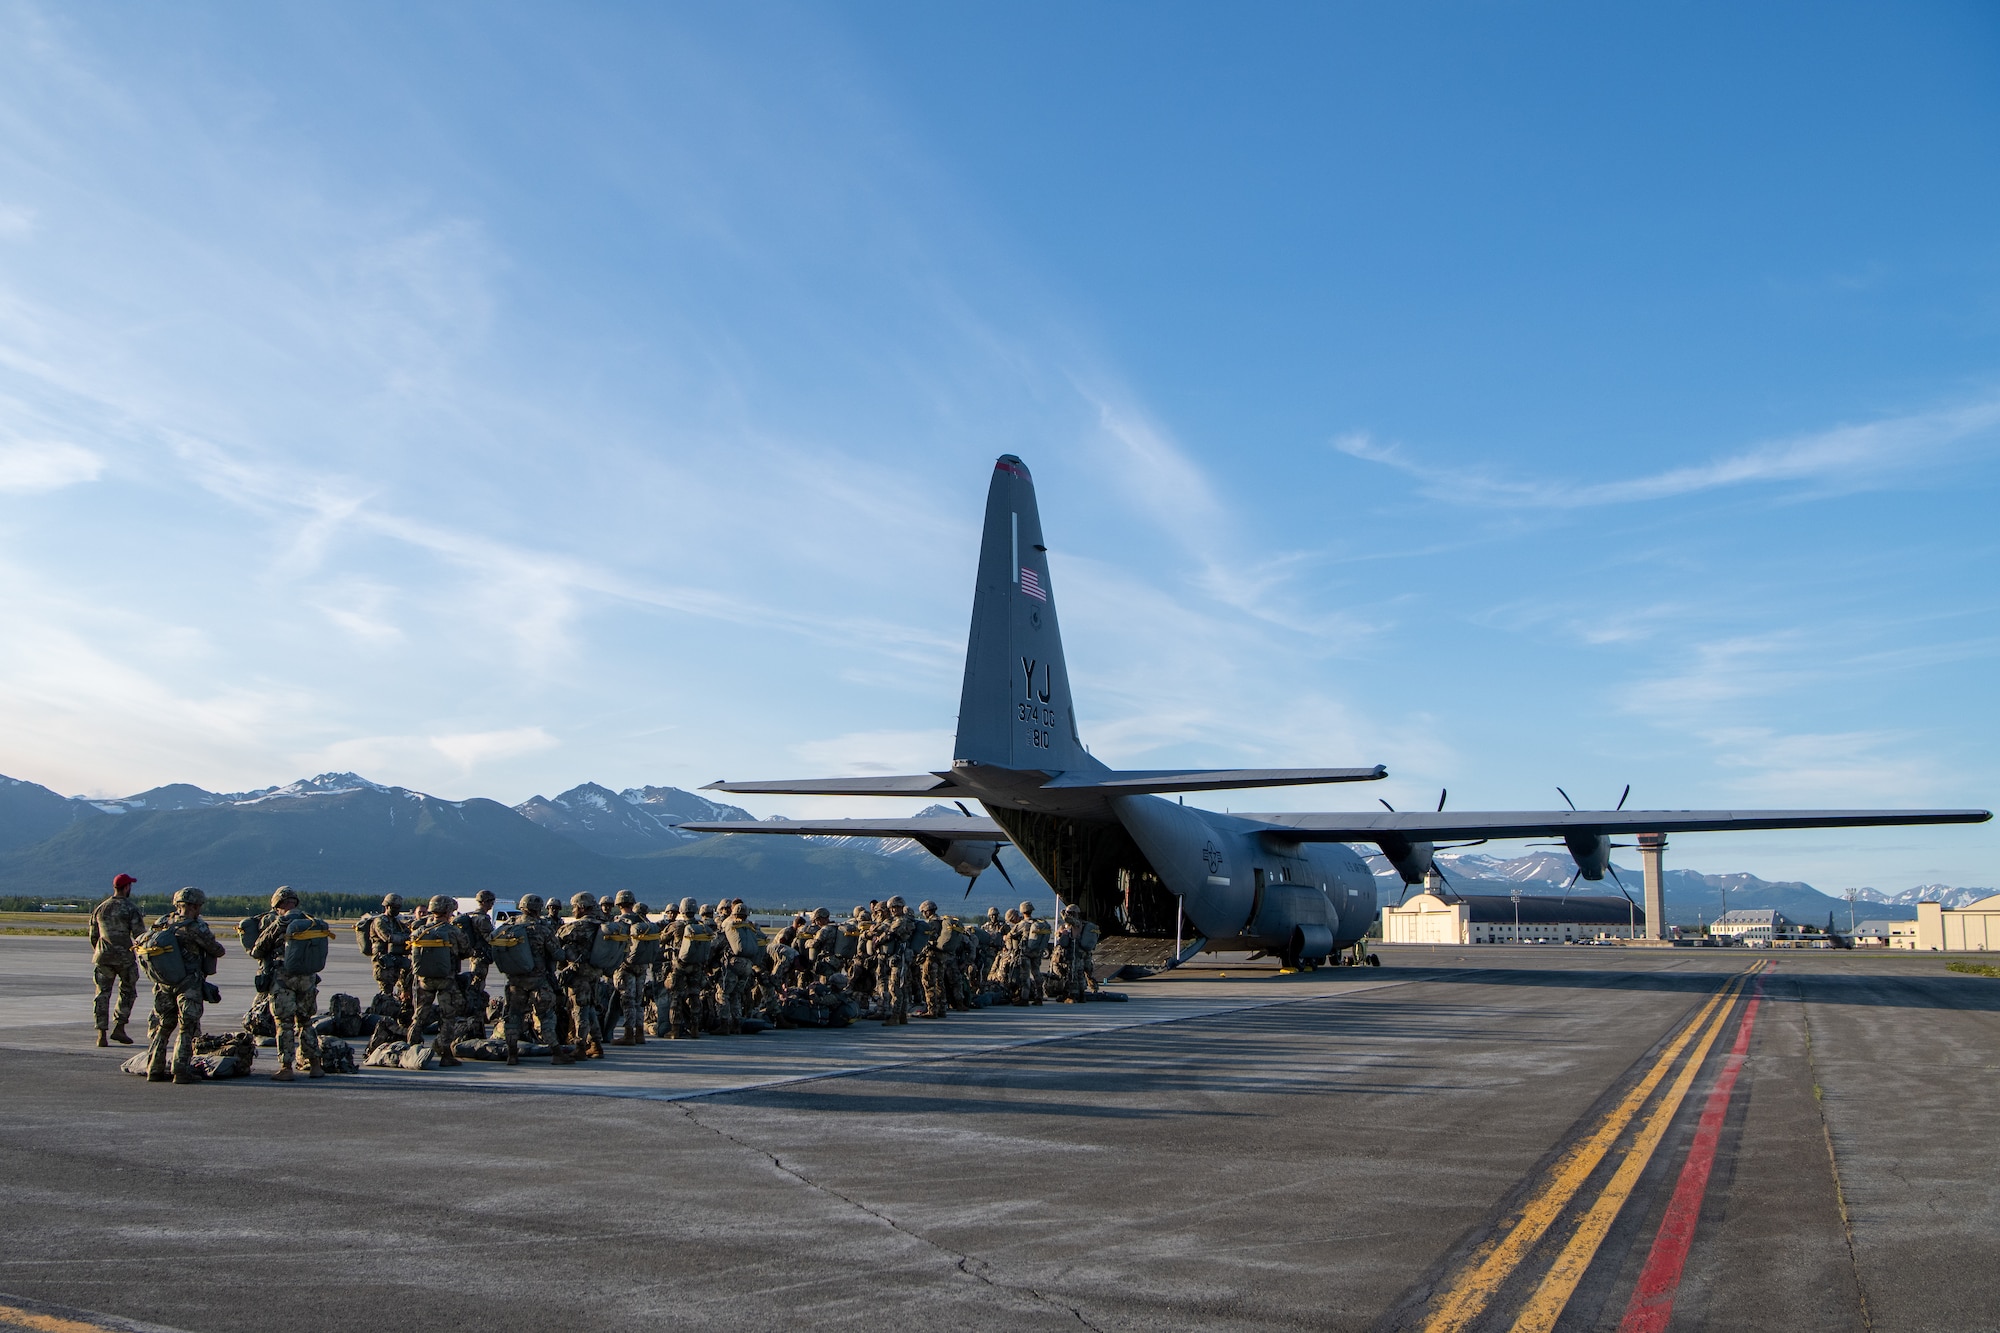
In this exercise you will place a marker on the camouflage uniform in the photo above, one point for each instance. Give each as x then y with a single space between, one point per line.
439 997
579 978
177 1009
929 943
897 939
294 996
689 944
630 978
478 927
535 992
388 936
115 927
737 974
1034 936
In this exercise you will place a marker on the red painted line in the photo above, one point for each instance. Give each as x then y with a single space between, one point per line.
1652 1302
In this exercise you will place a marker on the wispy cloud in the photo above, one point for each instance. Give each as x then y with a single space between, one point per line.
1844 458
32 467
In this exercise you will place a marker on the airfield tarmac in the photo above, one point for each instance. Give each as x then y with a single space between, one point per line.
1464 1138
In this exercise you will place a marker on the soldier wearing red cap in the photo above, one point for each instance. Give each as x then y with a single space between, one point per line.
115 927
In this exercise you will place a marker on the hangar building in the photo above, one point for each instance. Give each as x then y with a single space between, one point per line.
1432 918
1975 927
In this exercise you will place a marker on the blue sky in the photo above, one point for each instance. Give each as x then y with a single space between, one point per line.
488 400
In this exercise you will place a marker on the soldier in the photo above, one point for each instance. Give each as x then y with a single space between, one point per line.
689 944
737 973
1034 952
115 928
294 945
1006 970
580 976
629 981
436 947
478 927
178 1004
533 990
929 941
822 946
896 938
386 941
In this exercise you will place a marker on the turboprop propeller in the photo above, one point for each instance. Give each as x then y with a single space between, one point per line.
1592 851
1416 860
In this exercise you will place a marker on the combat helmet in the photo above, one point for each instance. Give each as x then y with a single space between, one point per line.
190 894
440 903
392 902
485 898
821 916
927 907
531 903
895 903
625 898
1027 909
688 908
582 902
283 893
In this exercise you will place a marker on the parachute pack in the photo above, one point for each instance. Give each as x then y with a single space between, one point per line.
614 939
646 936
431 947
161 958
363 937
512 953
249 928
306 941
696 941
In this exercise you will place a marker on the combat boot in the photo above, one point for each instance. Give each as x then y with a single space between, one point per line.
282 1074
186 1075
118 1034
314 1069
592 1050
102 1040
158 1076
513 1051
563 1056
446 1059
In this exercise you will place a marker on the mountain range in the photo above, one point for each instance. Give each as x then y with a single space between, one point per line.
340 833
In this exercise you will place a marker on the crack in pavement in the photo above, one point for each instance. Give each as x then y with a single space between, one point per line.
960 1261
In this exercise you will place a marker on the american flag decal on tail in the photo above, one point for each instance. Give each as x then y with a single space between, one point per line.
1031 584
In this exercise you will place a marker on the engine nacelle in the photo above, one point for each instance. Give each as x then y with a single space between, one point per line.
1591 852
1413 860
969 858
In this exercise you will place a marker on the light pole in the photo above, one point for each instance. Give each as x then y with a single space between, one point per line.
1516 896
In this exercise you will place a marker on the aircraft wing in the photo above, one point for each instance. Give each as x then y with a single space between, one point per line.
912 784
1109 781
1366 826
954 827
1207 779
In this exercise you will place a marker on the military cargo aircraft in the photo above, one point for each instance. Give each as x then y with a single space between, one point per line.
1136 863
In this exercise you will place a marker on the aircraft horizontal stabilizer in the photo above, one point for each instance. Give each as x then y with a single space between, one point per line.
1132 782
913 784
1437 826
954 827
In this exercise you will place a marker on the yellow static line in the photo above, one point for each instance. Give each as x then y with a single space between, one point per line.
1546 1306
45 1323
1494 1262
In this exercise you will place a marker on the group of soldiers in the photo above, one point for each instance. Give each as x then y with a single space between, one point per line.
577 977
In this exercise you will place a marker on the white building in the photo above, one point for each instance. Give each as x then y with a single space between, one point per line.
1750 926
1433 918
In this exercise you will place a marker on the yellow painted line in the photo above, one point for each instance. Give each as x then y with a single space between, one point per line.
1546 1306
1489 1266
45 1323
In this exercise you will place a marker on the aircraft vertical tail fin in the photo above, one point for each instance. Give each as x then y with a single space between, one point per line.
1014 710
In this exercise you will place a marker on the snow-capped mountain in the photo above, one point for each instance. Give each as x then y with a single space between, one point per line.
1923 893
633 822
